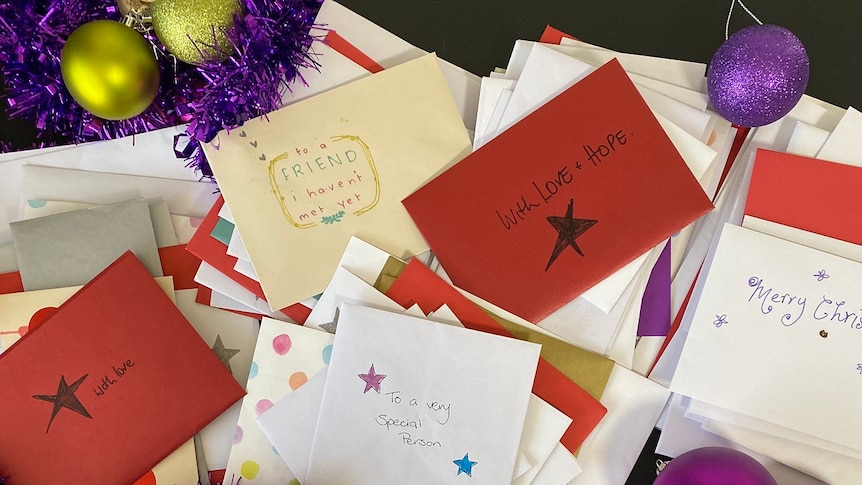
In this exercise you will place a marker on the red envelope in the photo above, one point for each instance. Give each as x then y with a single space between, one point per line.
108 386
561 200
809 194
419 285
214 252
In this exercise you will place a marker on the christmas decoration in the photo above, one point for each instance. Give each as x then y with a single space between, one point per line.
758 75
713 465
109 69
195 30
269 42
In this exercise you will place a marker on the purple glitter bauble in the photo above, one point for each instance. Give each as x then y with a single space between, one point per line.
757 75
714 466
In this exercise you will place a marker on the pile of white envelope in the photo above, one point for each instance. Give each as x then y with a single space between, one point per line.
272 435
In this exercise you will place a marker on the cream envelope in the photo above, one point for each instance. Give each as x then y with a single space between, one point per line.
301 182
750 345
178 468
389 50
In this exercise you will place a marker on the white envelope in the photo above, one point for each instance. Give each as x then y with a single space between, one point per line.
728 208
442 425
844 145
680 434
745 329
610 451
183 197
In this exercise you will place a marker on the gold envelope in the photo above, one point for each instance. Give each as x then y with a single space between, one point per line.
587 369
304 179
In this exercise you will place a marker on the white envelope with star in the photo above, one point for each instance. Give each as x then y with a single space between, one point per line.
411 401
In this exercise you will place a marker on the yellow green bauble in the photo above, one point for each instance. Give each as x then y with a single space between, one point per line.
110 70
194 30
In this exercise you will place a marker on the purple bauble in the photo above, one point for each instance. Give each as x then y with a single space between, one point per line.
714 466
757 75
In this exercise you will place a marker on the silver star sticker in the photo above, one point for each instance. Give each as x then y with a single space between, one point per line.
223 354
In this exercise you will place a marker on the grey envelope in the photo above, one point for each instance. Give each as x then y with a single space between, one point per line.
69 249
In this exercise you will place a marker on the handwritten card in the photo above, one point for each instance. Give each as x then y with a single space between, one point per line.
24 311
312 174
412 401
568 378
559 204
777 323
117 367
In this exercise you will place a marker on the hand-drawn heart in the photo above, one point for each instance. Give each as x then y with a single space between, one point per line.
253 143
242 134
262 157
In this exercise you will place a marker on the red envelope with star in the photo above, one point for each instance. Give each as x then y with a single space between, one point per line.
561 200
108 385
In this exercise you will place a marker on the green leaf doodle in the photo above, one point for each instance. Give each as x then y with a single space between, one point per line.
333 218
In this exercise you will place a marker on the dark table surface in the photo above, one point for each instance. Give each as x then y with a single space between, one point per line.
478 35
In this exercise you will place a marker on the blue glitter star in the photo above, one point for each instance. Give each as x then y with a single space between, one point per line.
465 465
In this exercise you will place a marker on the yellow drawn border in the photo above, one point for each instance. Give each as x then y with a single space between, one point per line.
370 159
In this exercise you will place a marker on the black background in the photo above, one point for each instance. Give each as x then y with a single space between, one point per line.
478 35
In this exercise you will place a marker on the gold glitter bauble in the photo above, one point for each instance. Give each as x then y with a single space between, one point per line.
194 30
109 69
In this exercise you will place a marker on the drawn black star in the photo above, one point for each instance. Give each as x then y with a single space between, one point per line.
568 229
65 398
223 354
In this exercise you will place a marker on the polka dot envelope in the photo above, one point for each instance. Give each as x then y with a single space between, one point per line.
285 357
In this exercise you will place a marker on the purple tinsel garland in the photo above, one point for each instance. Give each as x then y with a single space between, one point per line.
270 41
